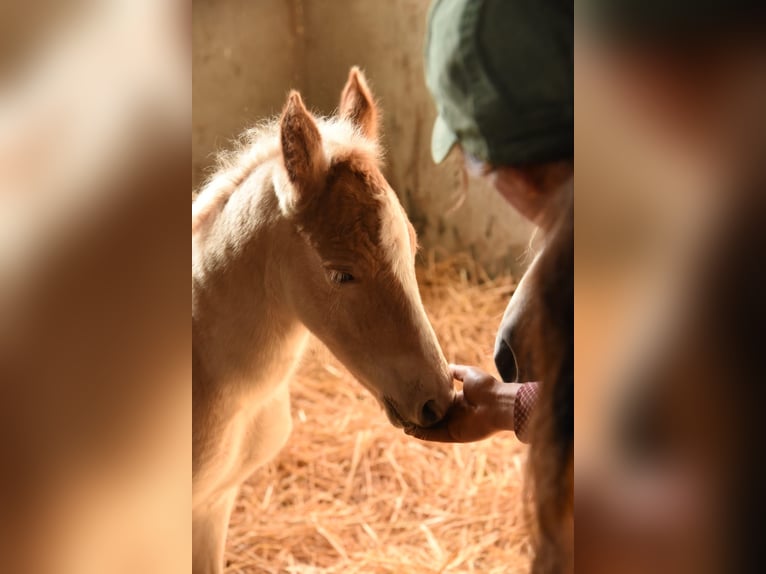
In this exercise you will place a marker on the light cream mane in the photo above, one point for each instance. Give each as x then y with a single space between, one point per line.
260 144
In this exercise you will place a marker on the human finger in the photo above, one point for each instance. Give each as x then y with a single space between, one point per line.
438 433
458 371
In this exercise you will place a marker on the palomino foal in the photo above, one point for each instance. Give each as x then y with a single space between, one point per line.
300 233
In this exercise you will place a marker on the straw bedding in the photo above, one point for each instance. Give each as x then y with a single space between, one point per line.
351 494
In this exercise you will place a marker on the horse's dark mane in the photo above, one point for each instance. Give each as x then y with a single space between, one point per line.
551 454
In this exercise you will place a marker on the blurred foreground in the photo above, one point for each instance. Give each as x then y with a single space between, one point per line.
95 405
669 293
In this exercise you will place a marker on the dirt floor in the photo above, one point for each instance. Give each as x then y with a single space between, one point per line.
351 494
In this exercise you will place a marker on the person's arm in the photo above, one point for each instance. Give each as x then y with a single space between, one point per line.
484 407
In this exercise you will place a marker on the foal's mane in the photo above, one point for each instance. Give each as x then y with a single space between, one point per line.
260 144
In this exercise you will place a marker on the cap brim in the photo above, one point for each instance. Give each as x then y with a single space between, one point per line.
443 140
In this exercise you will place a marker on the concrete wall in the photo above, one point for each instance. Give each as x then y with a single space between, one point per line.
245 57
247 54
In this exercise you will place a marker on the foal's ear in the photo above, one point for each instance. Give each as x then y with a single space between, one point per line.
358 104
302 150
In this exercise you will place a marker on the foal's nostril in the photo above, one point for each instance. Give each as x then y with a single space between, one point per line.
429 414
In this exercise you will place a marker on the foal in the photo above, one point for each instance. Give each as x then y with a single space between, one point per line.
299 233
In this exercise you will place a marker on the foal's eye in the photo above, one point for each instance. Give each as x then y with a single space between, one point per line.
341 277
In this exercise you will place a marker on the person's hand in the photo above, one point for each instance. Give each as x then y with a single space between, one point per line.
482 408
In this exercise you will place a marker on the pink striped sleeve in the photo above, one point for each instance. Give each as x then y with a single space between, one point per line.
526 397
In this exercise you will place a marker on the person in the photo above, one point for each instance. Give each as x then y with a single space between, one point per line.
501 75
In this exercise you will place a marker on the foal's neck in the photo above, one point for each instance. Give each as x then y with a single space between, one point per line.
239 311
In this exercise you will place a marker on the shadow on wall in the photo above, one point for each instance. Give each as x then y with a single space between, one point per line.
247 55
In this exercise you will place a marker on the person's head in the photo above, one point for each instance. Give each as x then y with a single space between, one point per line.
501 75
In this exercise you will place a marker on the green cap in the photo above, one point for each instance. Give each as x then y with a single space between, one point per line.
501 73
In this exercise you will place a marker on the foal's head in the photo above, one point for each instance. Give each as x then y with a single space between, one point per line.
354 282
